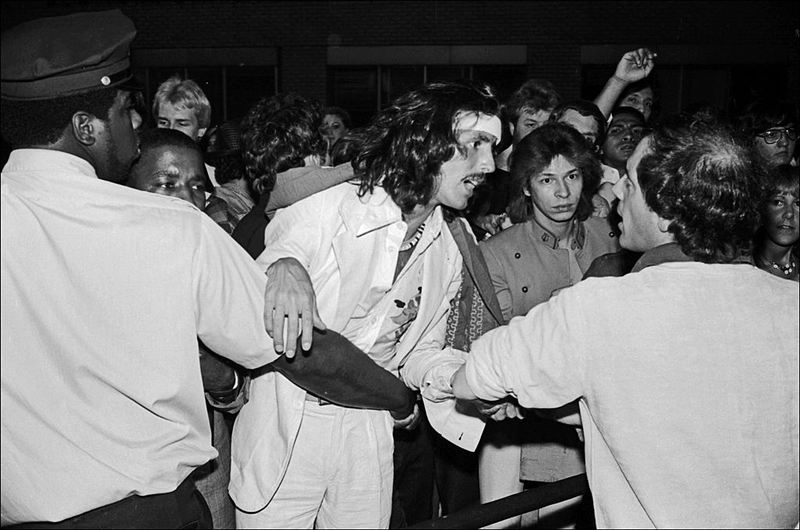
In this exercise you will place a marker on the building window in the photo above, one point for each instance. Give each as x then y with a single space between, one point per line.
364 80
231 90
364 90
688 76
233 79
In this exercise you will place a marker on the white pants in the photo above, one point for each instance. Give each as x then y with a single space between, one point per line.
339 475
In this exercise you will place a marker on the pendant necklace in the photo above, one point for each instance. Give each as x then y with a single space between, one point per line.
787 269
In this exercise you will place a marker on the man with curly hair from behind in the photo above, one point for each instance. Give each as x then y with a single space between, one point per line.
686 369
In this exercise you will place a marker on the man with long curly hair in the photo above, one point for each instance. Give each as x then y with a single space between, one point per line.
686 370
384 266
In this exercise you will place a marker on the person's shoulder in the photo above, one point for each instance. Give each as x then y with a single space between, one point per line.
615 264
326 200
600 229
511 236
156 203
599 224
162 213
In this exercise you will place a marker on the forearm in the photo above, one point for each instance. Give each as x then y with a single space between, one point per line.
218 376
610 94
291 187
461 388
222 382
338 371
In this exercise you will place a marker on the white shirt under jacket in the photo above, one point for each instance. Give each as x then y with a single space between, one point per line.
350 247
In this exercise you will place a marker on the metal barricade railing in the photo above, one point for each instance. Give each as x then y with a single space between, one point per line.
529 500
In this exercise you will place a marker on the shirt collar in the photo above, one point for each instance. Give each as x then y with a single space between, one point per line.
666 253
377 210
543 235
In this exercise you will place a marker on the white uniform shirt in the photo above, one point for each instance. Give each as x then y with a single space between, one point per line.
105 290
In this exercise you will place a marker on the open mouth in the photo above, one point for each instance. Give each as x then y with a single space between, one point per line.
473 181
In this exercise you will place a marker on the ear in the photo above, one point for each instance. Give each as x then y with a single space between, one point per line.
83 128
663 224
526 191
511 128
201 132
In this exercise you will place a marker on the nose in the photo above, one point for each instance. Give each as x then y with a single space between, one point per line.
486 163
783 139
136 120
627 133
788 212
562 190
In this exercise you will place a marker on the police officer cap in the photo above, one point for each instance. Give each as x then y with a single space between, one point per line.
61 56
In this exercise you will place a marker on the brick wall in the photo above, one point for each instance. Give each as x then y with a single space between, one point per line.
553 31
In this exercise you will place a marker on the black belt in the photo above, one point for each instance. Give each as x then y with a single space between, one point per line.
182 508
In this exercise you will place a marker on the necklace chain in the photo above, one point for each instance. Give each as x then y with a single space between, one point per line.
787 269
413 240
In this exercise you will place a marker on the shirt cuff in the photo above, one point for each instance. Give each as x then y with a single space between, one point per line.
437 381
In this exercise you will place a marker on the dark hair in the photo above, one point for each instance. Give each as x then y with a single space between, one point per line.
406 144
277 134
703 111
224 152
153 138
651 82
762 114
341 113
621 111
782 177
534 95
637 86
584 108
347 147
42 122
536 152
703 179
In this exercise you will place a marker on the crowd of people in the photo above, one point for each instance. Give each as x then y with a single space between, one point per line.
288 321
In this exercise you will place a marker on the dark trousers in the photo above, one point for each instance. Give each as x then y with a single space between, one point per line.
456 475
412 496
423 457
183 508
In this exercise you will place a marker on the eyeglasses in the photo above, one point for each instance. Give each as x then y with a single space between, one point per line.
773 135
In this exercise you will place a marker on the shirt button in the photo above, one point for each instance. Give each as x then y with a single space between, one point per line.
517 255
525 289
611 234
391 249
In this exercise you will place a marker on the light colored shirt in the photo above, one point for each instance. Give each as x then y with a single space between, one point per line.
105 290
350 245
687 375
610 175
